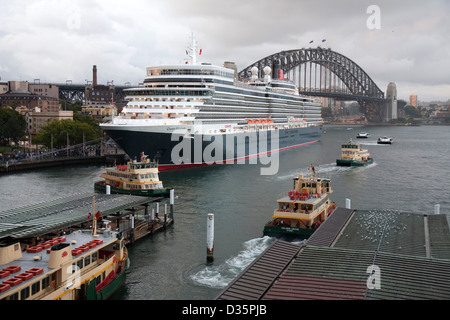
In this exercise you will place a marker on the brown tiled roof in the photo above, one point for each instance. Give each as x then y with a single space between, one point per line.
259 275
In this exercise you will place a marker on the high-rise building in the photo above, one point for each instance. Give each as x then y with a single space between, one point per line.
413 100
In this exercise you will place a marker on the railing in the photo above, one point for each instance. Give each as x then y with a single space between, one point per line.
93 148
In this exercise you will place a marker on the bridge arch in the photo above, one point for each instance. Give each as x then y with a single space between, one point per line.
359 85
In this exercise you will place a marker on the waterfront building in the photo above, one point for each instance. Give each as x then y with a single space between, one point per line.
24 98
37 109
100 112
413 100
4 87
47 90
99 99
36 118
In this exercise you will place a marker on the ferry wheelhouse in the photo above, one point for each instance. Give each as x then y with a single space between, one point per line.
207 103
135 178
303 209
353 155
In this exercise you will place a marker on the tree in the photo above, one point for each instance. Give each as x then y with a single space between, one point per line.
65 131
326 112
412 112
12 126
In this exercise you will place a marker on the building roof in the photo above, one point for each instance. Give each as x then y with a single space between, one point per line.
60 213
409 252
21 93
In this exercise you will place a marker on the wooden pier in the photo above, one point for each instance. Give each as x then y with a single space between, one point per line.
355 255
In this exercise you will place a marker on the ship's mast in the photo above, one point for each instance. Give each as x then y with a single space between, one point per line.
193 51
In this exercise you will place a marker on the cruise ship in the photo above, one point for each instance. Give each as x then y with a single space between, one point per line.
199 113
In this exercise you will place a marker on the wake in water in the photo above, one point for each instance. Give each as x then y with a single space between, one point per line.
220 276
324 170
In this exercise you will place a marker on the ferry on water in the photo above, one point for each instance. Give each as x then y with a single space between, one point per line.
139 178
187 114
353 155
83 265
303 209
363 135
385 140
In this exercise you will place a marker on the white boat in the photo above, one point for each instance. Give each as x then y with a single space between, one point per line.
385 140
363 135
207 103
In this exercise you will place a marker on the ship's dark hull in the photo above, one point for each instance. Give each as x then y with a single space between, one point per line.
200 150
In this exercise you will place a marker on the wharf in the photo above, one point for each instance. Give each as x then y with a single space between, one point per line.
355 255
13 166
65 215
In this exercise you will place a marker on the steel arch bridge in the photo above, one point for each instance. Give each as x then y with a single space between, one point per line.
353 83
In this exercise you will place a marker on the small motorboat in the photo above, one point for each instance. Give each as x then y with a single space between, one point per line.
385 140
363 135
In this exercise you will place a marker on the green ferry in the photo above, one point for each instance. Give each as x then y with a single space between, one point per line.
138 178
353 155
302 210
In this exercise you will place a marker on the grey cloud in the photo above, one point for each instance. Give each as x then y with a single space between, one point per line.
62 39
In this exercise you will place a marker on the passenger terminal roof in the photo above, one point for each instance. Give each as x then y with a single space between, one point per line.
61 213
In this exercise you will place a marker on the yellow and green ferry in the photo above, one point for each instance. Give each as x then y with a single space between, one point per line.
140 178
353 155
303 209
82 265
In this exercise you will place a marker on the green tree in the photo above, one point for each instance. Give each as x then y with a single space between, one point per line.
64 130
412 112
12 126
88 120
326 112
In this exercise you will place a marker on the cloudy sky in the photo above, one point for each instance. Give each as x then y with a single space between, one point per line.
405 41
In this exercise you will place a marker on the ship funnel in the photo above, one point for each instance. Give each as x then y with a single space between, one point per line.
10 251
276 69
60 254
267 72
254 76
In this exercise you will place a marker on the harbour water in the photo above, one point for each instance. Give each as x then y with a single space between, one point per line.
411 175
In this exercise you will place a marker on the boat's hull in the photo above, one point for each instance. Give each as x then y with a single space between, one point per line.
287 232
353 163
107 291
194 150
164 192
384 142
